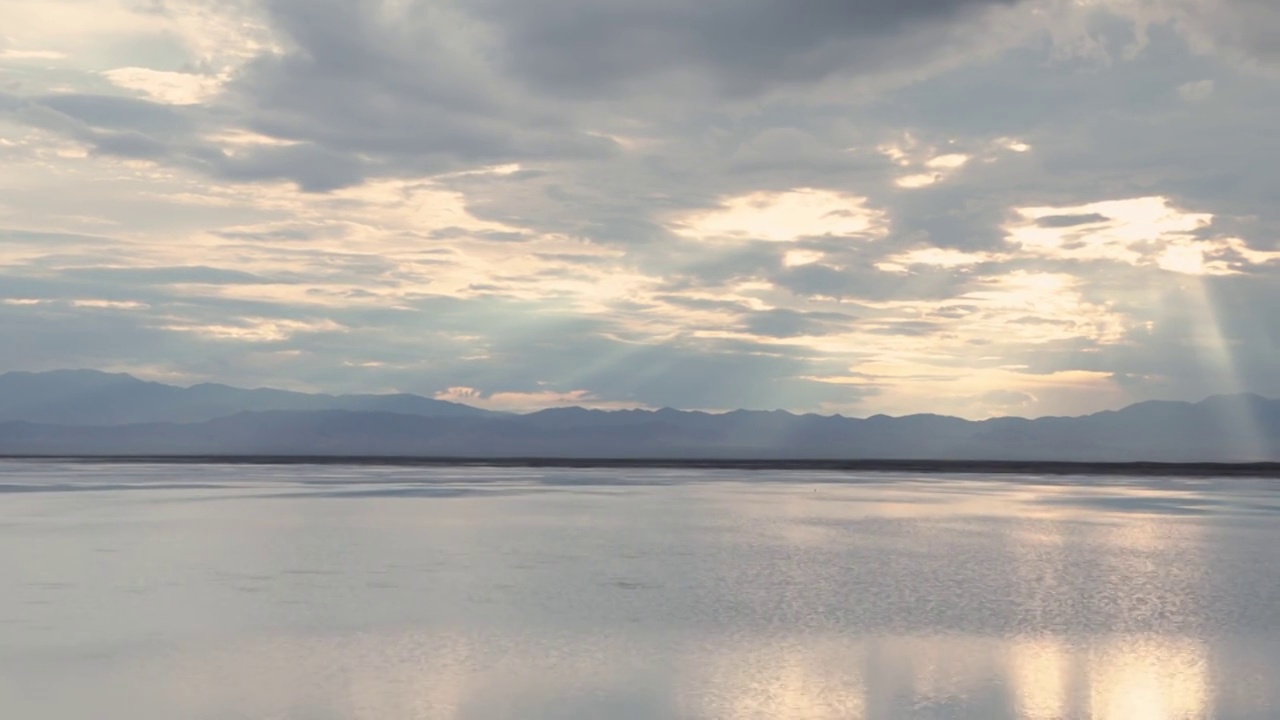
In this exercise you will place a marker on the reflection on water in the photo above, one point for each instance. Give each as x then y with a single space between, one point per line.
1040 673
1148 679
480 595
410 675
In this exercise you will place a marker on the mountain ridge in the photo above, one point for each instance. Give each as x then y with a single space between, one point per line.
1221 428
93 397
122 379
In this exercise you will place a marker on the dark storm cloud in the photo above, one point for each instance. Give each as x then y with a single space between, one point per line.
399 86
593 47
313 167
1066 221
118 113
117 126
145 130
356 93
949 214
369 89
1126 132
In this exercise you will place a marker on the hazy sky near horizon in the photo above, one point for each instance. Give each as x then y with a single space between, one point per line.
971 207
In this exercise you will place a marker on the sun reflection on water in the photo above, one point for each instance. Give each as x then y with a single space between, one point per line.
1122 678
1148 679
1039 671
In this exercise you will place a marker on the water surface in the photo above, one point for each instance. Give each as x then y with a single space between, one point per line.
326 592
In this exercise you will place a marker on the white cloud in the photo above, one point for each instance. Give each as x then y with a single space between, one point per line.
798 258
918 180
1196 91
109 304
172 88
1139 231
950 161
931 165
530 401
785 217
1013 144
935 257
255 329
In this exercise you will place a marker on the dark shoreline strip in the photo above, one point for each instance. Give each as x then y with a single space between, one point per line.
916 466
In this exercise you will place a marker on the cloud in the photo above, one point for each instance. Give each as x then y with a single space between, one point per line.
844 206
527 401
1066 221
172 88
398 84
193 274
783 323
16 54
117 113
1196 91
1139 231
1008 398
1241 29
782 217
736 47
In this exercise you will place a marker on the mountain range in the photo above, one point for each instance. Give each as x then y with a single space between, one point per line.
85 412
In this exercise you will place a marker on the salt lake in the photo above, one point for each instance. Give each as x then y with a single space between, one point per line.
322 592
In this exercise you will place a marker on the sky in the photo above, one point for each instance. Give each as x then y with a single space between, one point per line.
967 207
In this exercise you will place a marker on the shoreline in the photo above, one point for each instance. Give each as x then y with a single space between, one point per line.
1001 467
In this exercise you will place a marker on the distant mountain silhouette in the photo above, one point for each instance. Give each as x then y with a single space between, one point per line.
89 413
89 397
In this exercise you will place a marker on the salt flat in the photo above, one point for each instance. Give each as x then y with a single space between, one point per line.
318 592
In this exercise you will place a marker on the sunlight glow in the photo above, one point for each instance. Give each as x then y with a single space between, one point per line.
1218 358
530 401
1141 232
173 88
934 257
937 169
258 329
918 180
1148 679
797 258
785 217
931 164
950 161
753 682
109 304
